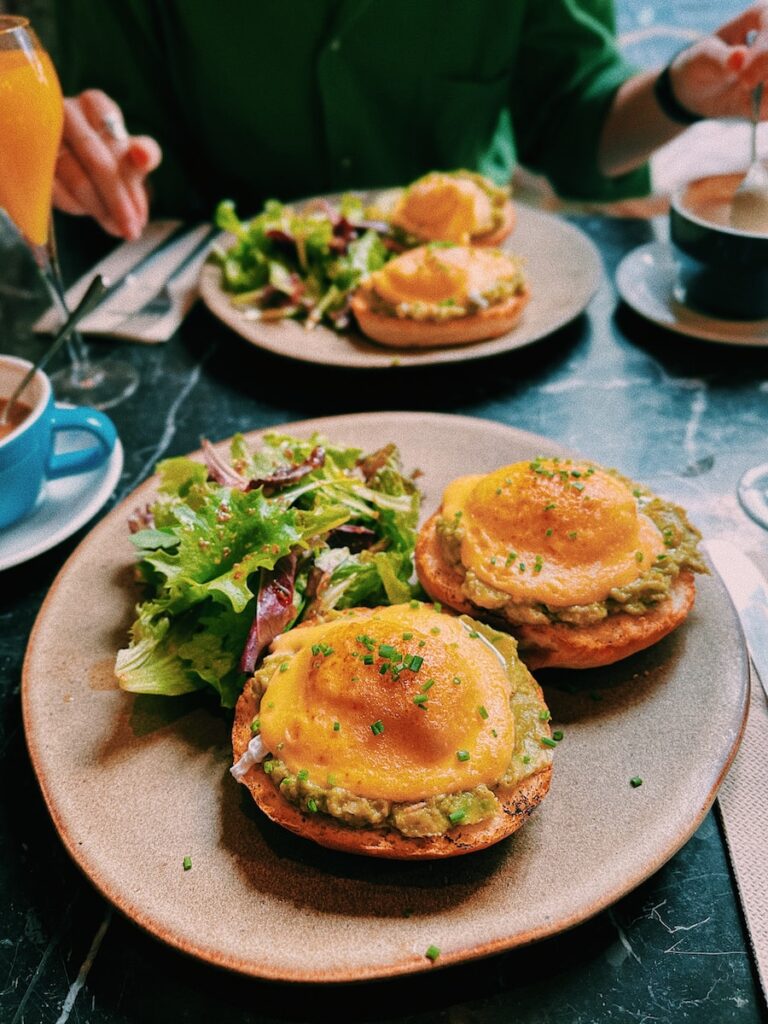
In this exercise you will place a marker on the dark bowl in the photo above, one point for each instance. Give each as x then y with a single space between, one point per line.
721 269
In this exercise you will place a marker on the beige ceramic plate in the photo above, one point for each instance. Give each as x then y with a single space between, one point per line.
562 265
135 784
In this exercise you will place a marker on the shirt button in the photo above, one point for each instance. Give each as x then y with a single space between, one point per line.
335 45
346 162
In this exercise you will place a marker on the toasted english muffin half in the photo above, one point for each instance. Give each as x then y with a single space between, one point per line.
460 206
441 294
319 802
582 566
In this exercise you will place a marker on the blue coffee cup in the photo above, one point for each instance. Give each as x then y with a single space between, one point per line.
27 455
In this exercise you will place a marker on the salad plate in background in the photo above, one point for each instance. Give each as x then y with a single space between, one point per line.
561 264
138 783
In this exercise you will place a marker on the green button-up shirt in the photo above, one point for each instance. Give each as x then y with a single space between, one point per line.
252 100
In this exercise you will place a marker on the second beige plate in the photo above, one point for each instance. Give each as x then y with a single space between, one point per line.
136 784
563 269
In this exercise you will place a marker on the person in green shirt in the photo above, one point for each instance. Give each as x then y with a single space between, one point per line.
249 103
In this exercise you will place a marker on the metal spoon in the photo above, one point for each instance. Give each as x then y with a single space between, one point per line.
92 297
749 209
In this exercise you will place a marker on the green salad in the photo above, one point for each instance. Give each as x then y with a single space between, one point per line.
235 551
300 264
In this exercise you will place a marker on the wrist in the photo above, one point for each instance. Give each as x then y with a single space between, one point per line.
669 104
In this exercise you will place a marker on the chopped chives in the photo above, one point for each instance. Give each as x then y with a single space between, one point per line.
473 634
421 698
269 767
387 651
550 506
548 532
315 648
368 659
312 805
462 755
187 863
302 775
432 953
435 631
557 735
637 781
416 662
428 685
547 742
383 668
482 712
336 726
437 606
255 726
456 816
457 680
526 758
407 636
415 604
284 666
377 728
544 715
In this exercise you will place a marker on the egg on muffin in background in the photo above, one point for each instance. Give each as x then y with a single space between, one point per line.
441 294
448 206
398 732
582 565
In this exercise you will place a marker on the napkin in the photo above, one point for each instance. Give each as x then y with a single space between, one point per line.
119 315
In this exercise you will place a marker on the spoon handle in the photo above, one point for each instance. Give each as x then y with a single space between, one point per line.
757 99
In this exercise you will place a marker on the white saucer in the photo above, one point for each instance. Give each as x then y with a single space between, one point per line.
646 280
64 507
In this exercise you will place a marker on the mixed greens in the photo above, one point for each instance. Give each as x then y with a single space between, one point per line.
304 265
235 551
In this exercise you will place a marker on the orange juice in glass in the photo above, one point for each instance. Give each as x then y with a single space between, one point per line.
31 119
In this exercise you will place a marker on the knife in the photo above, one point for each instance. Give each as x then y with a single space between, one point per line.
743 797
114 287
748 589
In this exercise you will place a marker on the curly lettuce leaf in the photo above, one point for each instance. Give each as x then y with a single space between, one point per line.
209 547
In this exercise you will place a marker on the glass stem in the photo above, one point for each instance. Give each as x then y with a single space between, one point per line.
51 270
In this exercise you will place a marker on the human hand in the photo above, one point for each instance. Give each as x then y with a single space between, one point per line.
101 170
715 77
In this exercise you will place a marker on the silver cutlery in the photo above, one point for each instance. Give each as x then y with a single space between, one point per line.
162 301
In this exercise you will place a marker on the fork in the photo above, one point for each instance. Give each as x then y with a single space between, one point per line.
162 301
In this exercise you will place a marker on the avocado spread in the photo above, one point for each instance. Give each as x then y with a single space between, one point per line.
636 598
438 814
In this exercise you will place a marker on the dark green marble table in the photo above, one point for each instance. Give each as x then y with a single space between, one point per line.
684 416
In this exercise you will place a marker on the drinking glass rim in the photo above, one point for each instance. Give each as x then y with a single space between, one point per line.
12 23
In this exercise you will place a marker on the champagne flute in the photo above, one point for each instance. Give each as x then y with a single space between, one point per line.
31 122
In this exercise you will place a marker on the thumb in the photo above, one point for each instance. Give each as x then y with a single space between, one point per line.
143 154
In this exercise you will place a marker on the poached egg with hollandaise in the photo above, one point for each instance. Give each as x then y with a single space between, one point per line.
442 294
584 565
397 731
458 206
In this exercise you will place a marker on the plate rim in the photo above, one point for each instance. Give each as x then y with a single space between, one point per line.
383 358
395 968
718 335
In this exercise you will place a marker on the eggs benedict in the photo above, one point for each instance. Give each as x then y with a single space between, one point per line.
581 564
398 732
455 206
441 294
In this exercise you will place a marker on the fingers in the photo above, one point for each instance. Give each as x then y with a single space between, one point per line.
754 18
75 186
101 168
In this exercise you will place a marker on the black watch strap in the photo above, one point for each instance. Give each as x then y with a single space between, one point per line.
669 103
